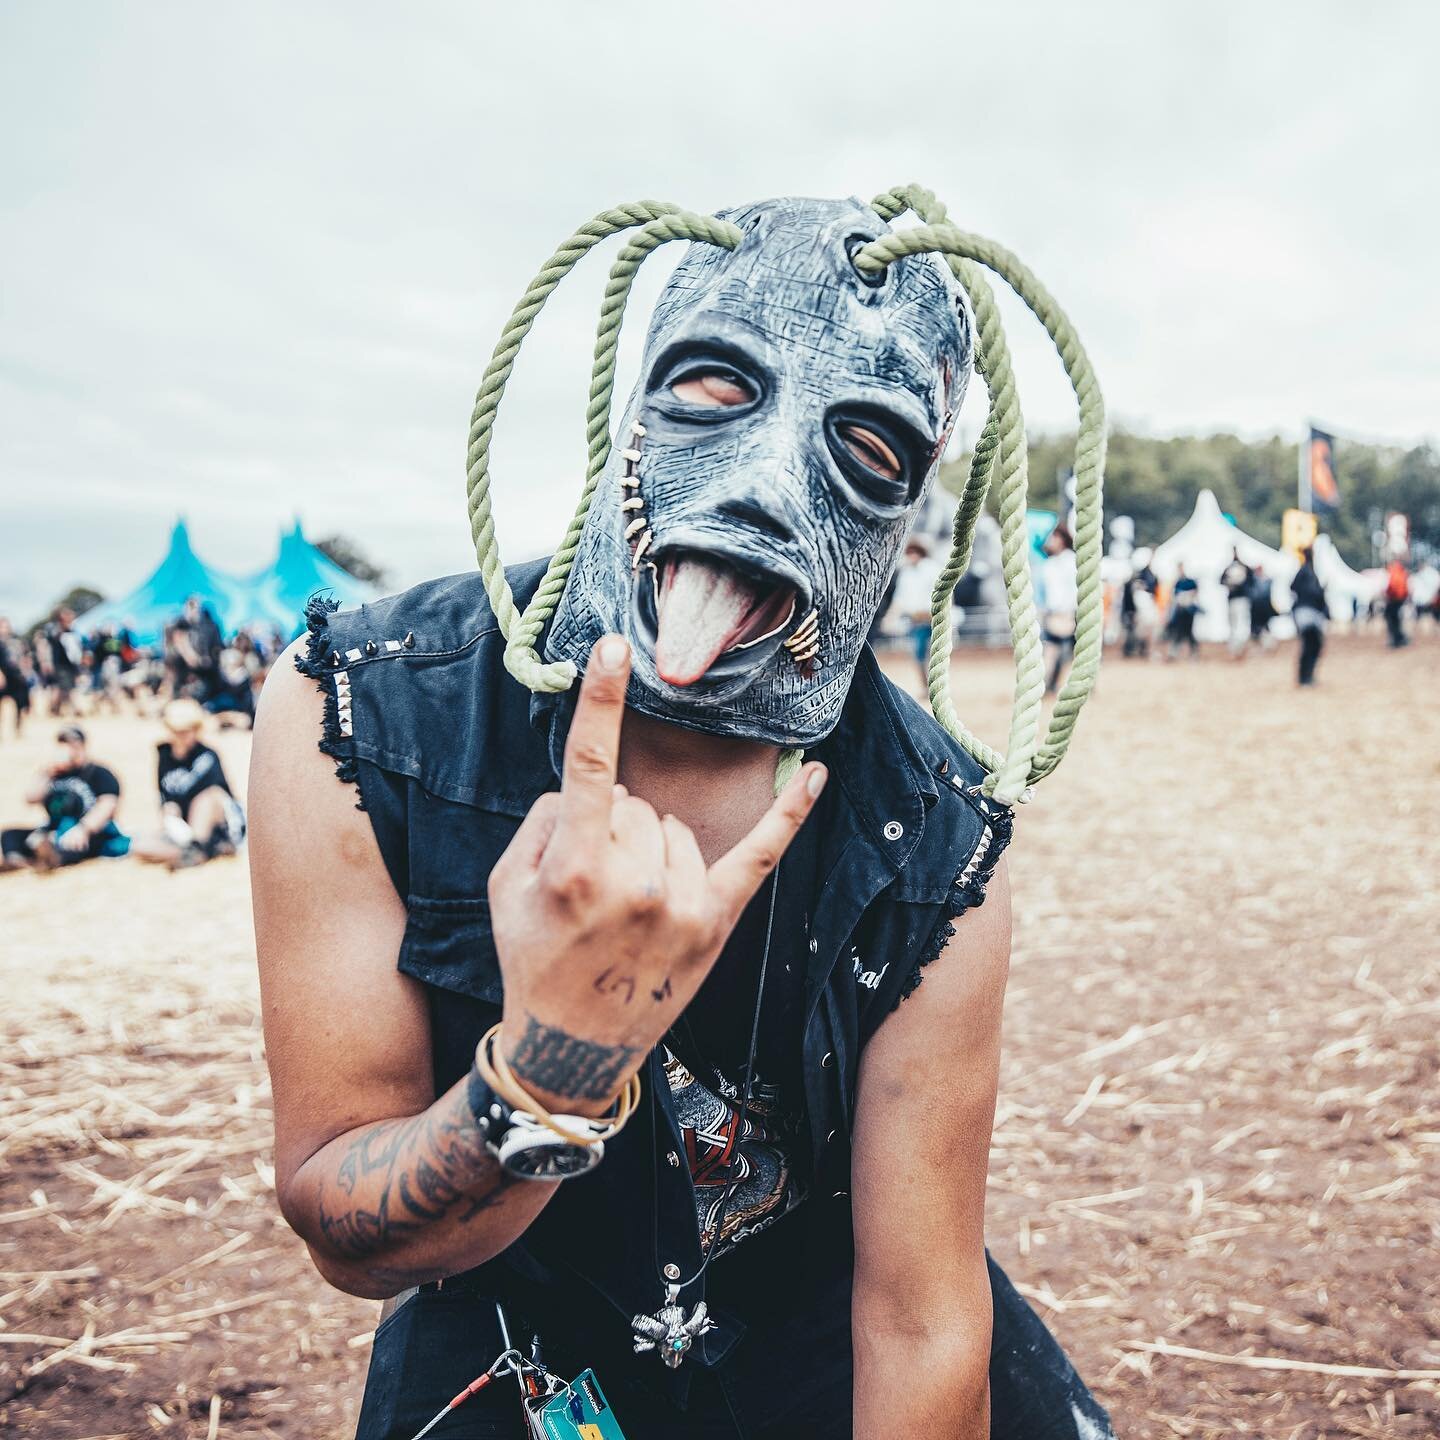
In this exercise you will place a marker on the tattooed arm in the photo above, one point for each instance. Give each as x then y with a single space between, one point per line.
388 1185
606 920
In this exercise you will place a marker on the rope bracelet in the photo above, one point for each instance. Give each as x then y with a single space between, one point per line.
501 1079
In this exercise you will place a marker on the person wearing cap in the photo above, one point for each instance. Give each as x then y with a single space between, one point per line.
80 799
201 817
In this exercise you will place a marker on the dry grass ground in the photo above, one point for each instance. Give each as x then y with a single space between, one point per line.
1215 1167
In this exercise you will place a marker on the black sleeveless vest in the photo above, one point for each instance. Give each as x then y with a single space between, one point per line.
449 752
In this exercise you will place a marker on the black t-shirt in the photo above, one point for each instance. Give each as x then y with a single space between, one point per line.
72 795
182 780
762 1151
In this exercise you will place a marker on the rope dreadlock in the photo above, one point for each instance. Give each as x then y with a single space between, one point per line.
1026 759
1002 439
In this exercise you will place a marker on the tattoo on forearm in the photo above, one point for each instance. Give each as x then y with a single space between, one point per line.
552 1059
403 1174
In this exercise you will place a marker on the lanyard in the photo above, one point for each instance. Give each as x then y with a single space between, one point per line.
670 1330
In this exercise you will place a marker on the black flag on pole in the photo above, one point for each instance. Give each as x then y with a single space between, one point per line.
1324 492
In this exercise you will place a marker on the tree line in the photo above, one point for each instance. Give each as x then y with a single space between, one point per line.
1155 482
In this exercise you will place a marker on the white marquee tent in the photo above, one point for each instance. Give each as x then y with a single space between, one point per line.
1343 586
1204 545
1207 540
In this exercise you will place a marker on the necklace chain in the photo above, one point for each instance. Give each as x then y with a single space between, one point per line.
744 1108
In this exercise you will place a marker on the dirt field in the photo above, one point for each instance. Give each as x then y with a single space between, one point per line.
1215 1168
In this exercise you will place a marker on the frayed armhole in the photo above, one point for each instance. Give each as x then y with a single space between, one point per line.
966 893
317 662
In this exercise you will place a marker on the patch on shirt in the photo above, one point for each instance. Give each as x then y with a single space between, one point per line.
751 1150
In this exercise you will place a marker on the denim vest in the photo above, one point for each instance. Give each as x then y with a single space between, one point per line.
449 752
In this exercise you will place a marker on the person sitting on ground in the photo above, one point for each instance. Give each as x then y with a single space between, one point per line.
80 799
233 703
202 820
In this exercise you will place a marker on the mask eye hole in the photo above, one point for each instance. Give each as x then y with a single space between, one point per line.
881 456
870 450
712 386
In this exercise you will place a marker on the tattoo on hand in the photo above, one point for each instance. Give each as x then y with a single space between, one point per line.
663 993
404 1174
607 982
552 1059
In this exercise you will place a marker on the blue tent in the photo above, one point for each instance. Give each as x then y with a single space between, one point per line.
160 597
278 595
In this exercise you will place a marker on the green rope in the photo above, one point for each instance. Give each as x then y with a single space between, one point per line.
658 223
966 253
487 404
1002 443
521 658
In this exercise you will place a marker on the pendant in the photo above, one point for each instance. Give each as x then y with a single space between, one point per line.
668 1329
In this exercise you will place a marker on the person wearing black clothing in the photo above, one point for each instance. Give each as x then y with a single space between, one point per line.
637 903
1262 607
1184 611
201 816
14 683
1311 613
1137 606
1237 578
57 657
80 799
193 645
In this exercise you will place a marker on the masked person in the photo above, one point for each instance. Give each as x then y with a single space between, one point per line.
521 922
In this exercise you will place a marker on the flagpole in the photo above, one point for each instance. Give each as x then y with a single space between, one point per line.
1303 496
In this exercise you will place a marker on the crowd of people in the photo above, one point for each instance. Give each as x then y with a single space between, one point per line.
1146 615
1148 611
194 678
57 670
80 800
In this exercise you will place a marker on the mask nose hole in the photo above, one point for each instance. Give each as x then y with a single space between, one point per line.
855 243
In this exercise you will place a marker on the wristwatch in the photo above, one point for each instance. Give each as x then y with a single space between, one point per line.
523 1146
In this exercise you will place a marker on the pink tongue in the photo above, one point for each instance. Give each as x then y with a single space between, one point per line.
702 610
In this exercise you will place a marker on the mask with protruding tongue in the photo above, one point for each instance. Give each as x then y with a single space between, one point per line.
705 608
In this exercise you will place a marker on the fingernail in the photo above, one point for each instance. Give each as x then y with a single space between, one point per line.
816 783
612 652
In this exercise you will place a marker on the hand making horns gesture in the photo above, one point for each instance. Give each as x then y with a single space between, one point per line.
606 917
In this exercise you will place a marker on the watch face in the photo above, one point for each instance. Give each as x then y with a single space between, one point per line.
544 1156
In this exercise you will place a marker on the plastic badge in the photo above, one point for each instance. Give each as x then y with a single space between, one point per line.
582 1413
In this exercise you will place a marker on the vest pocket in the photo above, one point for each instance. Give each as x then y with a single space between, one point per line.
450 944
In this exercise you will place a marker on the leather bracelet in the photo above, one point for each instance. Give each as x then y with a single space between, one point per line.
492 1069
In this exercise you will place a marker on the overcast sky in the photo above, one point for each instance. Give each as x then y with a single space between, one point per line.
253 258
